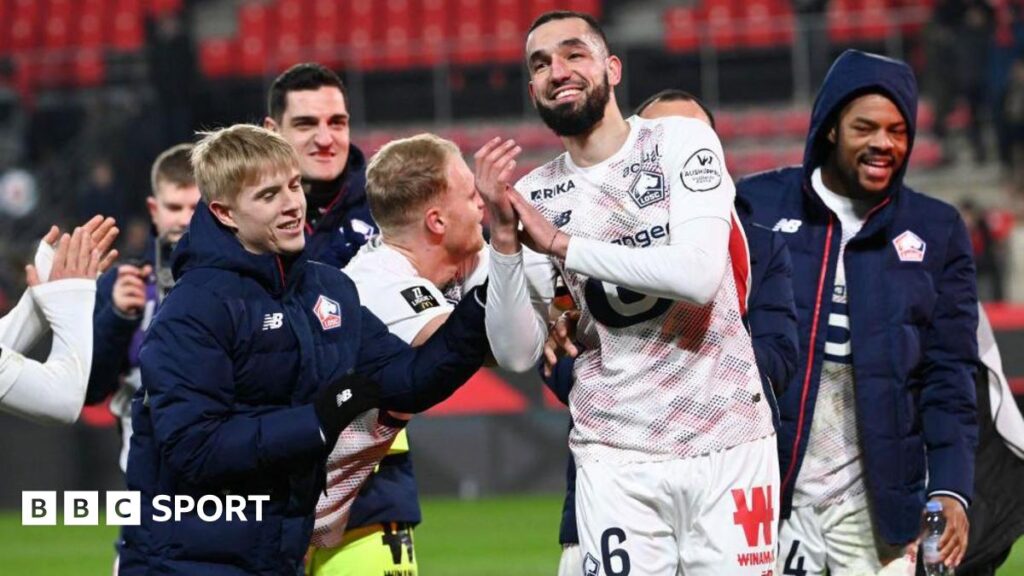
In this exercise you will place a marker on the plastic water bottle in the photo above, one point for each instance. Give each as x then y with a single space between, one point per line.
935 523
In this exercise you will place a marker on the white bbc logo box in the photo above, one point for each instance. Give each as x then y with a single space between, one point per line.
124 508
81 508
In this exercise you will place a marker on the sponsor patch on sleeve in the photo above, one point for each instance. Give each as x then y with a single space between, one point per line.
702 171
420 298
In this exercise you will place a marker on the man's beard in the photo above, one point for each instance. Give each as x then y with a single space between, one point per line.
563 120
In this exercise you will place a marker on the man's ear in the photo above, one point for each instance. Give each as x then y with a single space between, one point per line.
269 124
151 205
614 68
222 212
434 221
533 95
832 134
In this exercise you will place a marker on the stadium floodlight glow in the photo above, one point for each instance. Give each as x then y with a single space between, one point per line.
124 508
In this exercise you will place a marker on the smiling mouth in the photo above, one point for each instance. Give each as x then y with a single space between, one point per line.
291 225
566 93
881 163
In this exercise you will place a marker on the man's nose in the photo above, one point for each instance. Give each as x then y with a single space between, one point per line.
323 136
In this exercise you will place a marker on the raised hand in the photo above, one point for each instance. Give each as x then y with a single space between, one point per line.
129 294
103 233
560 340
538 234
75 258
493 167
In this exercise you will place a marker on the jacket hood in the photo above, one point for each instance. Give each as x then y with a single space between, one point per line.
854 74
210 244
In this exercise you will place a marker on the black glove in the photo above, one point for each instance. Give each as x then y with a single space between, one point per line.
340 402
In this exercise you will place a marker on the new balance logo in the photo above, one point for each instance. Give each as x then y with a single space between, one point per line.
787 225
757 518
562 219
273 321
344 396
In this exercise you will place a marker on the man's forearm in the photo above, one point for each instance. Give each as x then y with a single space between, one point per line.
416 379
690 268
504 237
514 329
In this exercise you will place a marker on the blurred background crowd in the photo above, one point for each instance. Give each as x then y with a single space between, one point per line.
92 90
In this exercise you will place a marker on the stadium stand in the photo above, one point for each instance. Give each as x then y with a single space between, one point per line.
759 24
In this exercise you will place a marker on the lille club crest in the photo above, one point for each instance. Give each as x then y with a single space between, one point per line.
328 312
909 247
648 188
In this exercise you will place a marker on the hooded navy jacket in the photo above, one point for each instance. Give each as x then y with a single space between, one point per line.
230 365
912 323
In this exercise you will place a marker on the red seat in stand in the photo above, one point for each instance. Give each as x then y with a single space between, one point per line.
399 34
508 31
434 32
329 37
128 34
681 30
253 21
24 26
469 32
217 57
363 45
91 24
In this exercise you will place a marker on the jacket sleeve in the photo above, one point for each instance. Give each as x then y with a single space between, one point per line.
189 384
415 379
947 401
772 317
112 337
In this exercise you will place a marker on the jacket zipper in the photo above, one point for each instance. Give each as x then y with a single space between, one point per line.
810 355
814 333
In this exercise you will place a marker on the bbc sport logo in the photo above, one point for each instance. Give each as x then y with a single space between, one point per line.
124 508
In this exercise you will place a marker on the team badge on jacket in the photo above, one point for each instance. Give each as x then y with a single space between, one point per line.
328 312
909 247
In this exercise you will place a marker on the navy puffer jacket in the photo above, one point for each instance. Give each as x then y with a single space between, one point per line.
230 366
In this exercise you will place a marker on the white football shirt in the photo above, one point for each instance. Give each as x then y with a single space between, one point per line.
659 378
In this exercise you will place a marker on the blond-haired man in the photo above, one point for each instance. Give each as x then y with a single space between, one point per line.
257 361
429 252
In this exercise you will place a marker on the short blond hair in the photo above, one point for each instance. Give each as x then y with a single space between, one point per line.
404 175
227 160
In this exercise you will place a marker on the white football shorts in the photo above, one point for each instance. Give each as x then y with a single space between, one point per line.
711 515
842 539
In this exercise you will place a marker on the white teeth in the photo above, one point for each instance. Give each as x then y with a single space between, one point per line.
567 93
